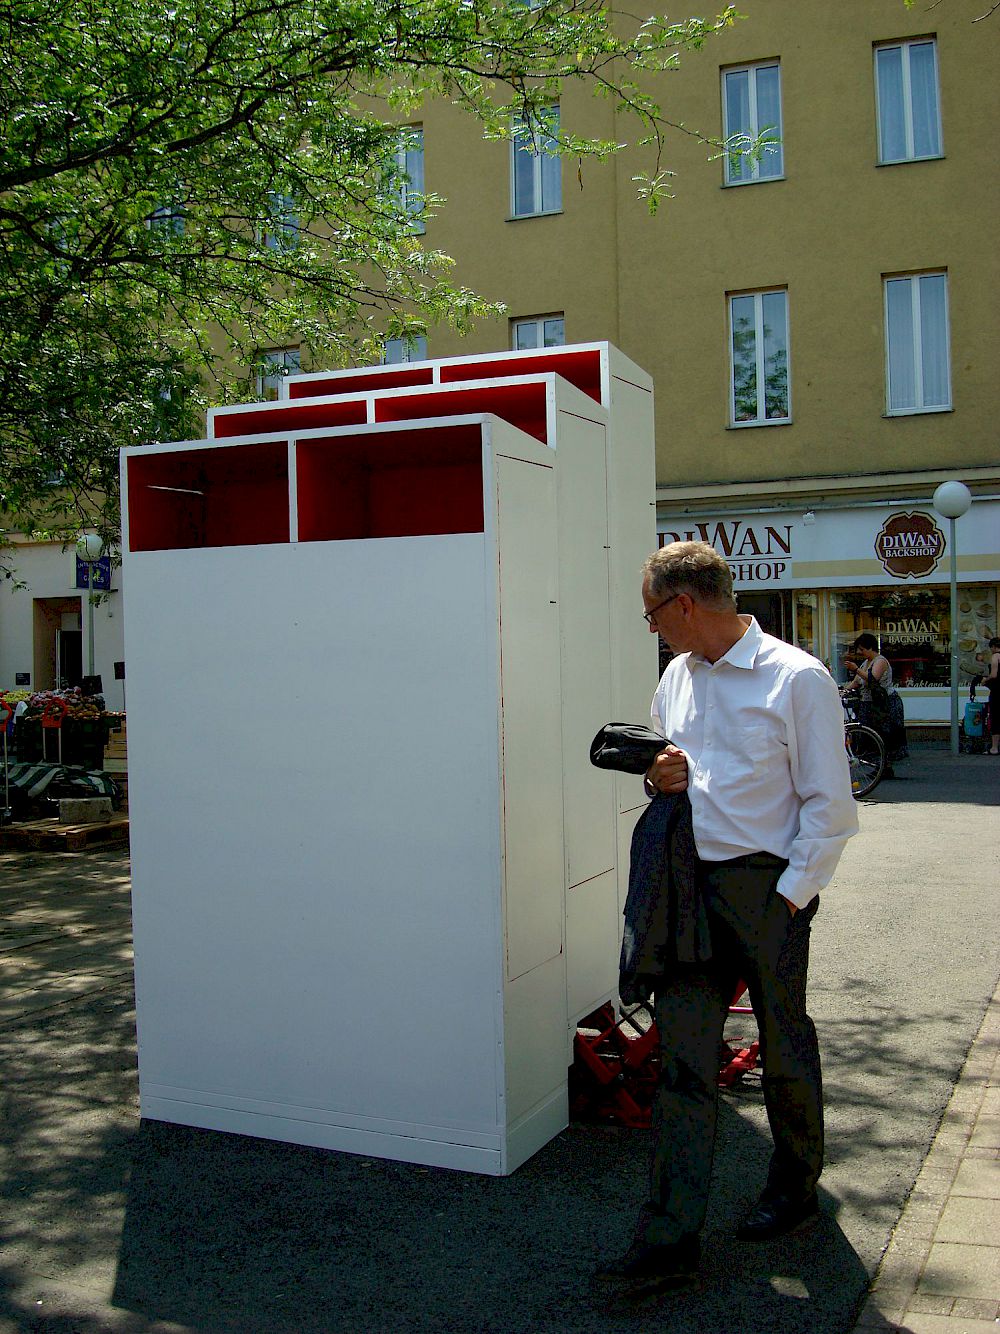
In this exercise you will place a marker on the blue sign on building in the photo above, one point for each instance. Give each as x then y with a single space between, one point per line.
101 575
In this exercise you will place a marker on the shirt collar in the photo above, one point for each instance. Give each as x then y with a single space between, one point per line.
742 654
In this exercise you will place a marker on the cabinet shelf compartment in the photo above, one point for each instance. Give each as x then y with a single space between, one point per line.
524 405
236 496
357 382
281 415
404 483
581 367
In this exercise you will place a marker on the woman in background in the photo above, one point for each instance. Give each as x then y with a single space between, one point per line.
992 683
880 706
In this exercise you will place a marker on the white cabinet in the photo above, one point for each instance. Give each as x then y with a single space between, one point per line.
375 878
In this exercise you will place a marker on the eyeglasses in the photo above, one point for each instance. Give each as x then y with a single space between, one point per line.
650 616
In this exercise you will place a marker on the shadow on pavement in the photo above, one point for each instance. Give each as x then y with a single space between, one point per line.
222 1232
243 1234
933 774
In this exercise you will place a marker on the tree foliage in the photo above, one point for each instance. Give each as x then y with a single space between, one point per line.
185 182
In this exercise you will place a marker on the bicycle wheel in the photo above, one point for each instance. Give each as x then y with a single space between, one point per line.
866 756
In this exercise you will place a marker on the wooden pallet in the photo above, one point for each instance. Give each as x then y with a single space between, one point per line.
51 836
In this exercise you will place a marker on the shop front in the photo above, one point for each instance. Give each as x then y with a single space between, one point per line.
819 577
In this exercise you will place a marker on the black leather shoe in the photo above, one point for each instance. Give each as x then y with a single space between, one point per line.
644 1269
775 1216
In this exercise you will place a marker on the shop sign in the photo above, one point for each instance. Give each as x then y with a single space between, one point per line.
909 545
757 553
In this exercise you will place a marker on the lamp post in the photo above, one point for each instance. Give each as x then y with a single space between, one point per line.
90 549
951 500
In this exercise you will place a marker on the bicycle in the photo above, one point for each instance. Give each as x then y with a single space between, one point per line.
865 753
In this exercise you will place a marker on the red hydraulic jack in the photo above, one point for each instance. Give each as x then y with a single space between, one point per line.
616 1065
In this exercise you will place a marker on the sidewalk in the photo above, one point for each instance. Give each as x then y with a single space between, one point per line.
941 1270
114 1225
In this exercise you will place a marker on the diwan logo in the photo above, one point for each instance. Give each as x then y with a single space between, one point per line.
909 545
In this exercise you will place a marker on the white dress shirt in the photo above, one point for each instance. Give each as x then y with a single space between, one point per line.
763 731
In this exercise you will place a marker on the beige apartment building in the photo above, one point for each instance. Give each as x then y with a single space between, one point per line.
820 324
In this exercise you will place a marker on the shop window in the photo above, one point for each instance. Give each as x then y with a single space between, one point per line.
751 101
913 629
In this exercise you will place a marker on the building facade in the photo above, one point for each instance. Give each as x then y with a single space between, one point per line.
818 320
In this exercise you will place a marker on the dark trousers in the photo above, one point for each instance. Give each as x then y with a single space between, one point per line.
756 938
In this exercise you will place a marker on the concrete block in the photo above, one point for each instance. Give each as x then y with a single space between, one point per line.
84 810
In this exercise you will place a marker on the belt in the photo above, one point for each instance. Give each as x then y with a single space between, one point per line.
766 860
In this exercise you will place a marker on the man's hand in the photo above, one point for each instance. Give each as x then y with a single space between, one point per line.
668 772
792 908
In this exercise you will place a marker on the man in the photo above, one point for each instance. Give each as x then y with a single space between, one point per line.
756 737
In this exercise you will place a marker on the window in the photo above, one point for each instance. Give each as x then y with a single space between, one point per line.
283 223
751 99
410 163
913 629
542 331
399 350
535 171
167 219
281 361
758 324
916 339
909 115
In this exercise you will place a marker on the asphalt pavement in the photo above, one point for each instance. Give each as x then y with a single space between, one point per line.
113 1224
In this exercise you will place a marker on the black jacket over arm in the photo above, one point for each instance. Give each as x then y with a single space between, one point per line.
665 919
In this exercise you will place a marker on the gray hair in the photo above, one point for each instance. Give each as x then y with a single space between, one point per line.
694 568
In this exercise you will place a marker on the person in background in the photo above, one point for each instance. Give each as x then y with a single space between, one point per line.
992 683
754 733
878 710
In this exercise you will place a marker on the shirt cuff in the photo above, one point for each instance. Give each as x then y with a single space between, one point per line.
795 889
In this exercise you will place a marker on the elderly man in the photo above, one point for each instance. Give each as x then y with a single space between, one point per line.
755 732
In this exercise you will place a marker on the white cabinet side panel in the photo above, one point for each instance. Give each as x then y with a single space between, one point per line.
593 943
532 761
585 627
632 489
316 866
626 824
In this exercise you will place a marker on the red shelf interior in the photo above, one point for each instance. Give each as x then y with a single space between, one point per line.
390 484
523 405
257 418
581 368
356 382
236 496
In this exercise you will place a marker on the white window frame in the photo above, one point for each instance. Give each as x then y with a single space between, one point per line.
168 217
905 48
761 419
411 140
525 141
916 335
739 161
285 361
409 349
282 231
538 323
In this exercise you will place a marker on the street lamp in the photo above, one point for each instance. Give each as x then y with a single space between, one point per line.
90 549
951 500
